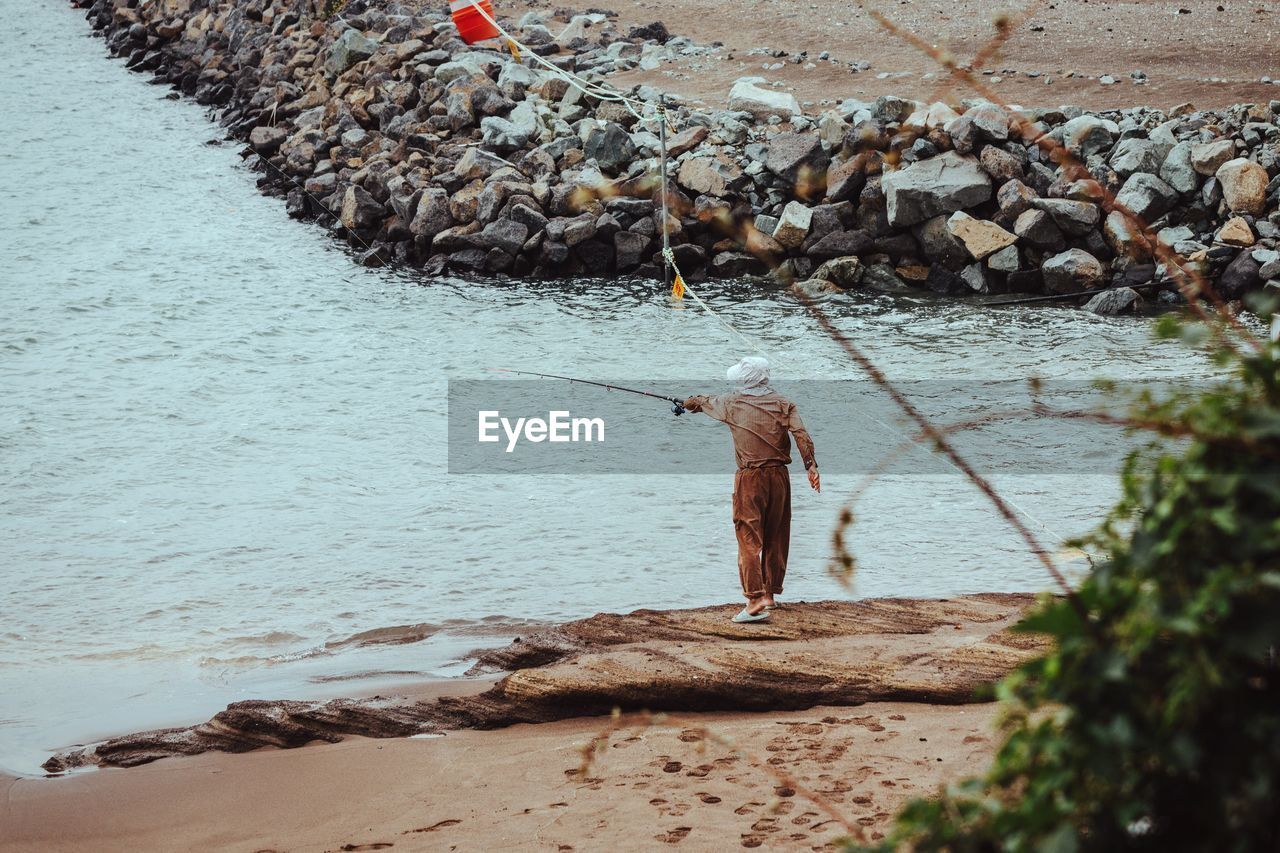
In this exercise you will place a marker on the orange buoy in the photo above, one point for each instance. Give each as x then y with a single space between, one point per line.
471 24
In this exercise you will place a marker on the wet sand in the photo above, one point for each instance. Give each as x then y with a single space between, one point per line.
520 788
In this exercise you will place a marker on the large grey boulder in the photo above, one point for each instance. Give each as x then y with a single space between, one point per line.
1241 275
746 96
360 211
610 146
990 120
846 178
473 64
1014 197
1147 196
514 132
1073 217
1178 171
791 154
1006 260
1087 135
348 49
735 265
1114 301
1123 235
505 234
1137 155
1036 228
432 215
883 277
939 245
942 184
267 140
844 272
840 244
892 108
1072 271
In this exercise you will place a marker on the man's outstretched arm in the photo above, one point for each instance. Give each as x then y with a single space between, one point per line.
804 444
710 406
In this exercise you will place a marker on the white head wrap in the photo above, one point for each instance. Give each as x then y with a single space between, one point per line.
751 375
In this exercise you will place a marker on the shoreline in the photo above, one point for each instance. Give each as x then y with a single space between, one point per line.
420 151
867 703
937 651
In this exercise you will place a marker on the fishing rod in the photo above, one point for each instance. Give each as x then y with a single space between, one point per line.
677 405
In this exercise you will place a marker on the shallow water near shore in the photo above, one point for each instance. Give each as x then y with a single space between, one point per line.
224 444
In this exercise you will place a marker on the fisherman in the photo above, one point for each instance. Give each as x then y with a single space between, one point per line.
760 419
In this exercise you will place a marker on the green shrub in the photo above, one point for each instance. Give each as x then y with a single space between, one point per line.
1155 722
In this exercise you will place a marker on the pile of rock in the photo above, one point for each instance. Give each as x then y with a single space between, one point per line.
419 149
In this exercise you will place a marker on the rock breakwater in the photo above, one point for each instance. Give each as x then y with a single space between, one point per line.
417 149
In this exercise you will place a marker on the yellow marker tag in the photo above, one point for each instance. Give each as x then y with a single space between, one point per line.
515 51
677 288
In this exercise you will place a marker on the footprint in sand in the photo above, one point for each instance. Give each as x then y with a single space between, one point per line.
373 845
435 826
674 836
701 771
672 767
748 808
766 824
752 840
690 736
804 818
708 798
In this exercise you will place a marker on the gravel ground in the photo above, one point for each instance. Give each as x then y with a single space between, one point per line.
1209 52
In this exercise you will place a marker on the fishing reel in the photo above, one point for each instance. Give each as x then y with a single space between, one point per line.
677 408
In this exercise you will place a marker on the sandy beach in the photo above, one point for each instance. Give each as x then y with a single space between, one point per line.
520 788
787 736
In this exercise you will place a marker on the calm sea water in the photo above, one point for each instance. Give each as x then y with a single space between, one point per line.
222 444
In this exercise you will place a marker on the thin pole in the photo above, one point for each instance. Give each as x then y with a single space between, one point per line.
662 141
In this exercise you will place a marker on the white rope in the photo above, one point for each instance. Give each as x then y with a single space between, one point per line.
583 85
